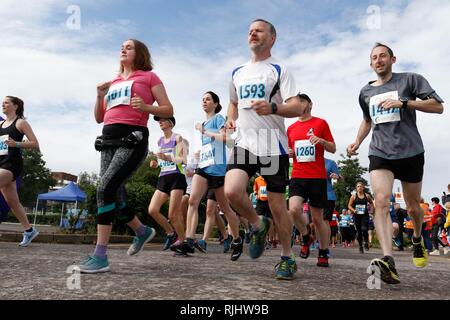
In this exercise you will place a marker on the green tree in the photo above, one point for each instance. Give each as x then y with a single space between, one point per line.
88 183
36 177
352 172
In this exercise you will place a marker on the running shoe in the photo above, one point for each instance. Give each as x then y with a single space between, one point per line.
366 246
322 260
94 264
396 242
236 249
285 269
387 270
28 237
258 239
170 238
247 237
227 243
305 250
200 245
139 241
420 257
361 250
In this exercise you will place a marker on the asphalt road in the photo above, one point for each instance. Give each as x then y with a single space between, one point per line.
40 272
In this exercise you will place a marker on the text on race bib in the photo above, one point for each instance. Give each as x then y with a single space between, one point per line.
263 191
360 208
167 166
3 145
305 151
119 94
378 113
252 89
206 156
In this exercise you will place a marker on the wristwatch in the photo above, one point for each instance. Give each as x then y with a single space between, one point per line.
404 102
274 107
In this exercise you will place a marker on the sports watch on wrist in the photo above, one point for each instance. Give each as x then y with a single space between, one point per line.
404 102
274 107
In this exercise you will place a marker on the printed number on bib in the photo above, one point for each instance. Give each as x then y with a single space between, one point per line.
3 145
167 166
119 94
305 151
263 192
251 89
206 156
360 208
381 115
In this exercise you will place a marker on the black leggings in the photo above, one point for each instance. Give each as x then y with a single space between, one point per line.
435 238
362 227
117 164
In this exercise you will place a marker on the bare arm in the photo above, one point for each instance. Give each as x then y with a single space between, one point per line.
31 142
428 106
350 204
164 108
363 131
291 109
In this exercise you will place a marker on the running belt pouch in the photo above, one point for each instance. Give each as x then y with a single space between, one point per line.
130 141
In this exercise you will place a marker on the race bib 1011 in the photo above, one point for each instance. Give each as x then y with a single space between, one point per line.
119 94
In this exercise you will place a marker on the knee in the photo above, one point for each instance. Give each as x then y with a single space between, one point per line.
233 195
382 202
211 212
153 211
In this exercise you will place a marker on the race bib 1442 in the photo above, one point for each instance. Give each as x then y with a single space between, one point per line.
378 113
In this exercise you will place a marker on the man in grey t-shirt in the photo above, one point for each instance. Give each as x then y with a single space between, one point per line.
396 151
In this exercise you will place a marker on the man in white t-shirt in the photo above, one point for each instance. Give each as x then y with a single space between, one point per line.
262 94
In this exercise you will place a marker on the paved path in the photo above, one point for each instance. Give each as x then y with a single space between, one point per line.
39 272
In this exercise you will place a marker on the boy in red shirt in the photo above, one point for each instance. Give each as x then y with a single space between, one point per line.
308 140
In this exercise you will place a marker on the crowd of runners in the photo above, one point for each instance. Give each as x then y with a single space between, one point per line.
292 199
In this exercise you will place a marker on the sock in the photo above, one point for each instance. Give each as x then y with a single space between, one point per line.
100 251
323 252
256 226
140 231
285 258
29 230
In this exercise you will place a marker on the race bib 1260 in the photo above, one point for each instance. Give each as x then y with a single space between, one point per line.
378 113
119 94
305 151
3 145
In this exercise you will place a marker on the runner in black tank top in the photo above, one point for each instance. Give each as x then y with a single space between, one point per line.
12 131
358 204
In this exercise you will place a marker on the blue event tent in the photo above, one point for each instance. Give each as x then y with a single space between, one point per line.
70 193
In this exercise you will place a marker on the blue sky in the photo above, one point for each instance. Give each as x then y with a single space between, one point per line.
196 44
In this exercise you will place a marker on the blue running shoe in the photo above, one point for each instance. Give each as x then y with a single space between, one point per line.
285 269
227 243
28 237
94 264
258 239
170 238
138 242
200 245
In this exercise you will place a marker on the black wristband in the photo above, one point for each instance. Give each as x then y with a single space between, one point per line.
274 107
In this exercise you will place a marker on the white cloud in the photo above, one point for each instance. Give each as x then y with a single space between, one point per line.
56 74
